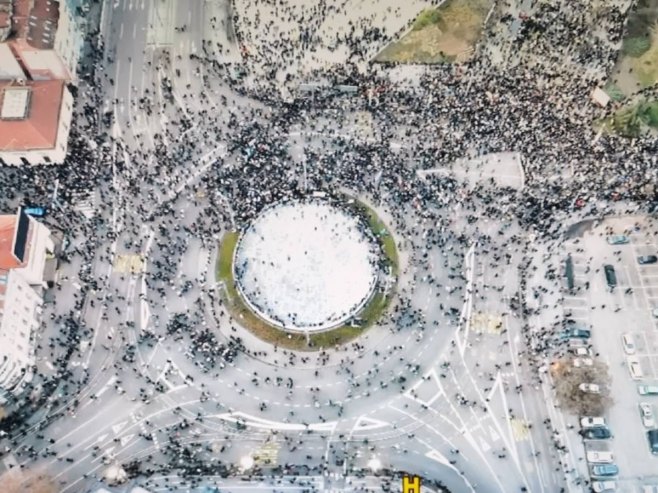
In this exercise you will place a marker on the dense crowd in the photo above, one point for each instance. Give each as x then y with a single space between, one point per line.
540 109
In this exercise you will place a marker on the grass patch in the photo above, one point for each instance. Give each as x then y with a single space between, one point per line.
632 120
639 50
614 92
447 33
372 312
649 114
383 235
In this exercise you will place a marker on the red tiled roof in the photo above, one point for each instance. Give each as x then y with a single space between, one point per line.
39 129
7 230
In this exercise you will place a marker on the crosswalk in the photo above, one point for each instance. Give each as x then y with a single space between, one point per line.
520 429
84 202
489 323
129 263
267 454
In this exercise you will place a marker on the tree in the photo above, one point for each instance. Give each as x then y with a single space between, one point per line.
22 481
567 378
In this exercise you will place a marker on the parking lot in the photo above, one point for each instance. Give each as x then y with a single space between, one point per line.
612 313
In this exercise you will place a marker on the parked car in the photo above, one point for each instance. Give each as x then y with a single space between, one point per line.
578 362
652 436
647 389
654 312
581 351
592 421
647 259
646 411
610 275
604 486
590 388
596 433
618 239
635 368
604 470
629 343
599 457
576 332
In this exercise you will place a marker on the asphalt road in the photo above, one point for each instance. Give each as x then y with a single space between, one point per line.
459 378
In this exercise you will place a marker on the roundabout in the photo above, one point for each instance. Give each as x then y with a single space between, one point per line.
306 266
309 273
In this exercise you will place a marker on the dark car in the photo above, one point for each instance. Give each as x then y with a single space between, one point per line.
610 275
598 433
652 436
576 332
647 259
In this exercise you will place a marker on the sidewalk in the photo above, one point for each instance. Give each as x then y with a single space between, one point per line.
218 31
565 425
306 36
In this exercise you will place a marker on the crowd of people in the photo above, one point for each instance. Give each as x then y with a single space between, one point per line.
538 106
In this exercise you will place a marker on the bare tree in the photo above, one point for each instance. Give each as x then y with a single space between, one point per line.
567 379
22 481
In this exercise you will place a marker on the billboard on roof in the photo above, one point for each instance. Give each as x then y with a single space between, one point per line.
20 240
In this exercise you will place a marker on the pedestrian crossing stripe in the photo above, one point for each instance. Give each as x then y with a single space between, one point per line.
268 453
489 323
133 263
520 429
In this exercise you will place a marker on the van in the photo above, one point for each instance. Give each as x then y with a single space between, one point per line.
594 457
610 276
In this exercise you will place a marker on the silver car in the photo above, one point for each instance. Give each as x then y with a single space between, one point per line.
646 412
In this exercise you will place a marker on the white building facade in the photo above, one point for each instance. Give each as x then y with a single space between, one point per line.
20 316
25 245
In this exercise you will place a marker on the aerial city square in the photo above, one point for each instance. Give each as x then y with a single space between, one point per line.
304 246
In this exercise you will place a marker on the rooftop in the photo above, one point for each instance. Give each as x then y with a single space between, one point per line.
15 103
7 232
38 128
10 69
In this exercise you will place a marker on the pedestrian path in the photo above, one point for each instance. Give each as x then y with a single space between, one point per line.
84 202
129 263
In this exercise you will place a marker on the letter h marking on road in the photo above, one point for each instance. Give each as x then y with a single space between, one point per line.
411 484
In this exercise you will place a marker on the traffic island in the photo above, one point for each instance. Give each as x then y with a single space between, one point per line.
264 273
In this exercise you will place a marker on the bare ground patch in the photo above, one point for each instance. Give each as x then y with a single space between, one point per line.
447 33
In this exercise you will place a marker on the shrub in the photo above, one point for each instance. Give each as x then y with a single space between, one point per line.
636 47
649 114
426 18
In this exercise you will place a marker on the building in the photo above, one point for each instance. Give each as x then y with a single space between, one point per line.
35 119
24 247
45 36
40 45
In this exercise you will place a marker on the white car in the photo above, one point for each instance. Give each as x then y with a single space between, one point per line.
592 421
635 367
629 343
604 486
582 351
602 457
646 412
590 388
578 362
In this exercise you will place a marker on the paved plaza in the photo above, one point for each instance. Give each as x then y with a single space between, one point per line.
306 266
